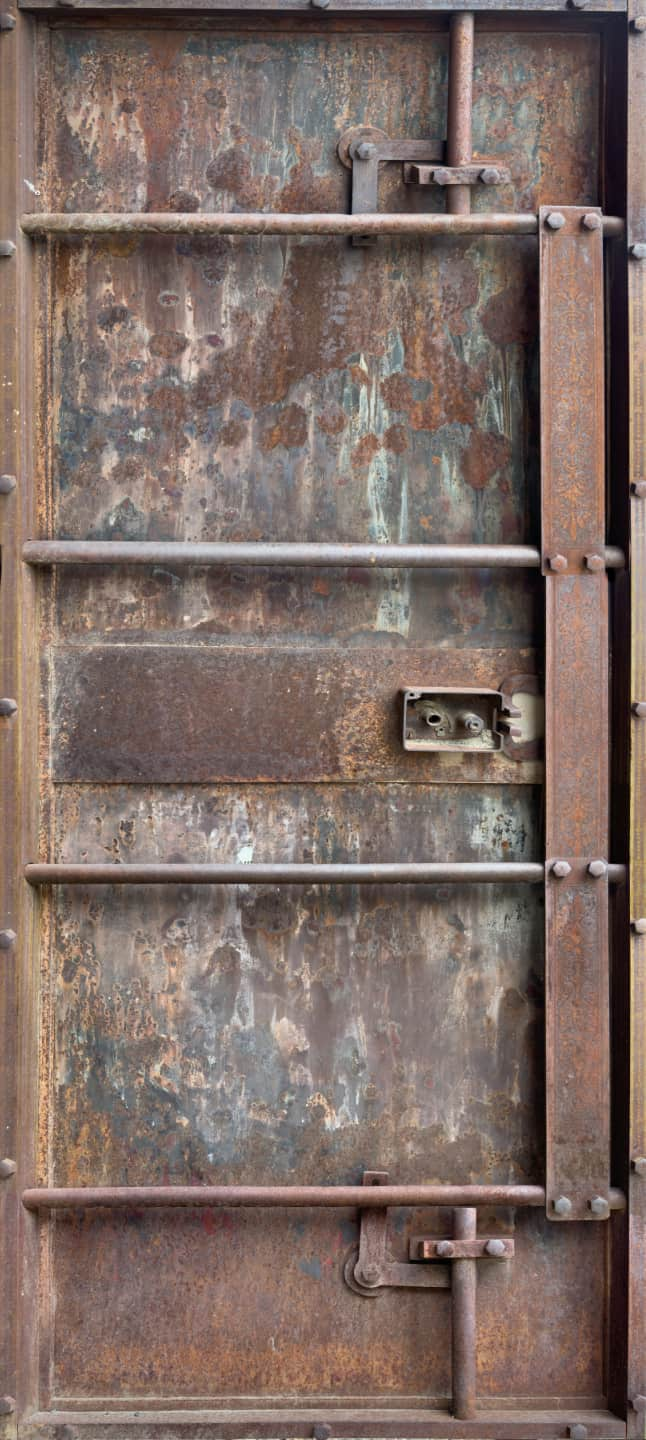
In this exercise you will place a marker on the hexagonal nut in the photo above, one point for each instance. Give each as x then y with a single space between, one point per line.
637 251
562 1206
639 925
591 221
561 869
7 1169
365 150
555 220
495 1248
445 1249
638 1403
7 939
594 563
639 24
638 708
639 1166
489 175
599 1207
557 564
597 868
369 1275
577 1432
638 489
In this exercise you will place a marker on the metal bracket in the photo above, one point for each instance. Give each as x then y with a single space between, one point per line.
510 719
362 149
484 172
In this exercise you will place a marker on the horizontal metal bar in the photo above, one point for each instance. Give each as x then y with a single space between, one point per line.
273 223
317 1196
179 552
508 872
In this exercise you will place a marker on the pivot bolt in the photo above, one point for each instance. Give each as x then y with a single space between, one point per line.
562 1206
598 869
638 487
7 1169
639 925
637 251
639 1166
444 1249
577 1432
7 939
495 1248
561 869
7 484
369 1275
365 151
591 221
490 176
557 563
555 220
638 708
595 563
599 1207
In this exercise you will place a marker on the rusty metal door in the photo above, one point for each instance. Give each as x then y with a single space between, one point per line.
323 460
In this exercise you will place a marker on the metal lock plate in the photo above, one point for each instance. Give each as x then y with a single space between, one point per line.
454 720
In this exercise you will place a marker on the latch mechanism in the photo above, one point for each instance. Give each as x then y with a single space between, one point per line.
482 721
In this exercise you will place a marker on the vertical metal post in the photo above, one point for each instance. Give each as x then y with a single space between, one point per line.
460 106
463 1320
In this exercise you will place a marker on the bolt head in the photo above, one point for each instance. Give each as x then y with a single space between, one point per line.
320 4
562 1206
639 24
639 925
7 1404
7 1169
599 1207
638 708
7 707
555 220
639 1404
639 1166
490 176
365 150
495 1248
321 1432
7 22
561 869
369 1275
557 563
7 484
598 869
595 563
638 489
591 221
637 251
577 1432
7 939
444 1249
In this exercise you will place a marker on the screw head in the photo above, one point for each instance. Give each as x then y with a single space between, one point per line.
445 1249
561 869
577 1432
490 176
639 24
638 708
555 220
7 484
7 1169
599 1207
595 563
591 221
639 926
639 1166
562 1206
557 563
495 1248
7 939
637 251
365 150
598 869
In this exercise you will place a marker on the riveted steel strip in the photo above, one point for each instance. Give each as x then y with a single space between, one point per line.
576 686
636 235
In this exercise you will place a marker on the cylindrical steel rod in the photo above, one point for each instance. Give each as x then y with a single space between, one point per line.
318 1196
463 1320
460 106
509 872
290 873
234 552
258 223
278 1196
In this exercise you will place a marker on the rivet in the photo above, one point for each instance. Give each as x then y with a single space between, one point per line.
495 1247
322 1432
561 869
7 939
638 489
639 926
639 1404
638 708
639 1166
562 1206
7 22
591 221
365 151
7 484
7 1168
445 1249
555 220
490 176
595 563
637 251
7 1404
598 869
599 1207
7 249
558 563
577 1432
638 23
8 707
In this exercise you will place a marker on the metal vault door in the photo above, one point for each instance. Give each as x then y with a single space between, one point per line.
315 498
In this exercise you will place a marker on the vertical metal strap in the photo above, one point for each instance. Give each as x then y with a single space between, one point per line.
464 1281
576 661
636 228
459 149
